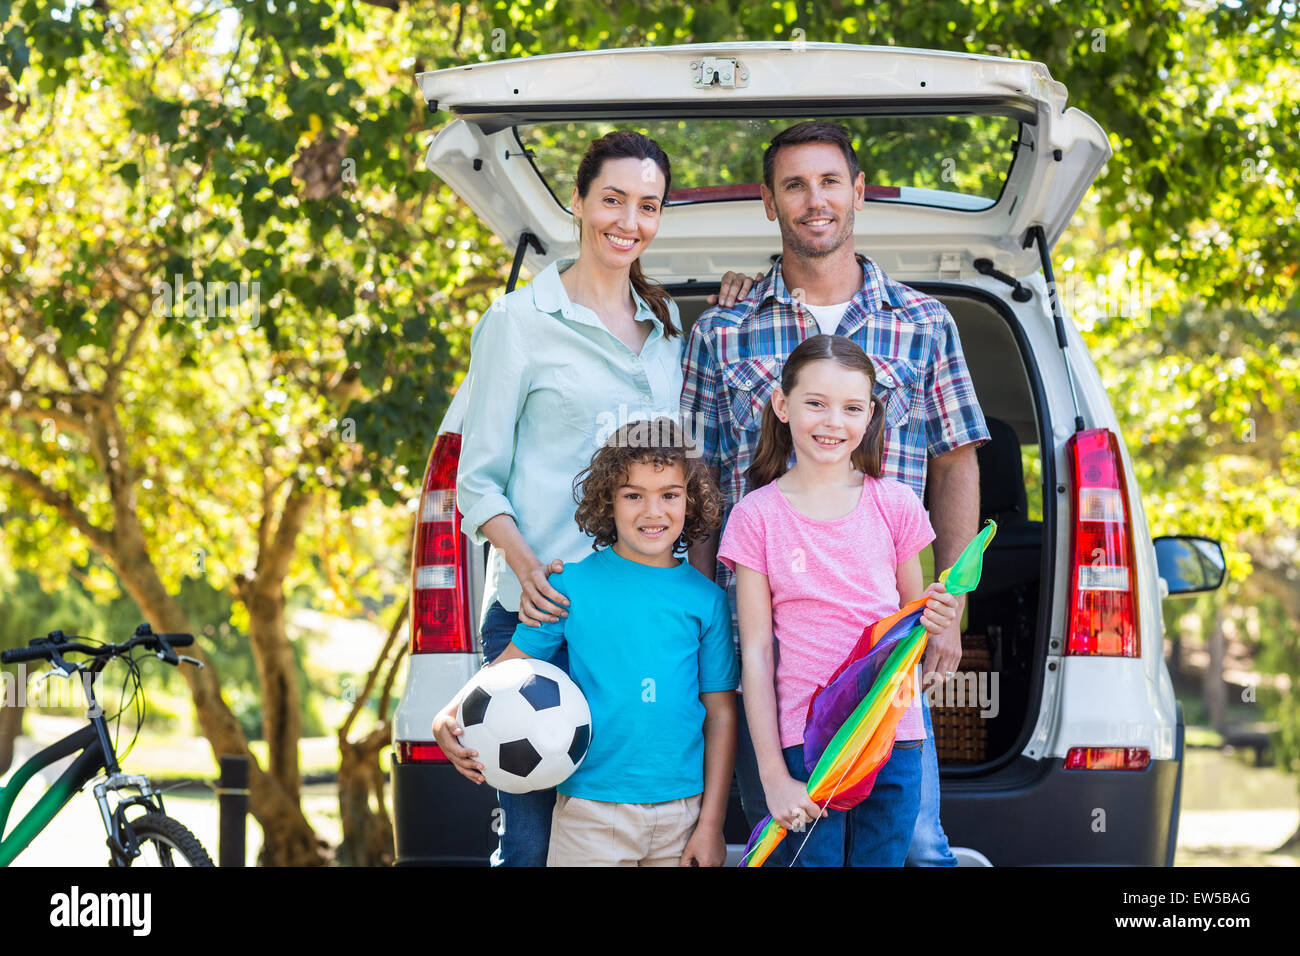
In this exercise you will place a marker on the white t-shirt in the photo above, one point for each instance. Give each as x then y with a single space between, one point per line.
827 316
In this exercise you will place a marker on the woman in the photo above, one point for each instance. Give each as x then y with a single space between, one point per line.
556 367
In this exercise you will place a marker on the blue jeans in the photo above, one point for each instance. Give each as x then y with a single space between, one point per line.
752 799
874 833
525 817
929 842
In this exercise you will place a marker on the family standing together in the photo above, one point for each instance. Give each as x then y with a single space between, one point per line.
823 400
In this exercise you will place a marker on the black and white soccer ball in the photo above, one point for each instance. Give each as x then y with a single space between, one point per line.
529 723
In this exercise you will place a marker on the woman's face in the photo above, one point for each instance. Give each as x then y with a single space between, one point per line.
620 213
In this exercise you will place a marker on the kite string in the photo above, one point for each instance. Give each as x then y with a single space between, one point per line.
750 851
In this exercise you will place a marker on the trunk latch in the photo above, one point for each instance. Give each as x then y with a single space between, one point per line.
719 70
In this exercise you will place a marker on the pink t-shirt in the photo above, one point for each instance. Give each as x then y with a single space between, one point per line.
829 580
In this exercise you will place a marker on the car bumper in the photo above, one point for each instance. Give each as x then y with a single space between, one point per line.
440 818
1030 813
1036 813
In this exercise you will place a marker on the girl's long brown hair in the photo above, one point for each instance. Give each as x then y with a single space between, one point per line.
629 144
775 442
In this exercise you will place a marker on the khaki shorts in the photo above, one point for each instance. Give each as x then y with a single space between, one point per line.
597 833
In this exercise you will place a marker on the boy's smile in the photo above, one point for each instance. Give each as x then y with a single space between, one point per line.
649 513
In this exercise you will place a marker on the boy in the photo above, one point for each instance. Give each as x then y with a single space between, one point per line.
649 643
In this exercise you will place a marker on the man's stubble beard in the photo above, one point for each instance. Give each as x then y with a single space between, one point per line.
790 237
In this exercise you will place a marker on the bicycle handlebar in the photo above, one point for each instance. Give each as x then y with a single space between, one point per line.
21 654
56 643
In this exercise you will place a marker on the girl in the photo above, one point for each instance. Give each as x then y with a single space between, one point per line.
649 641
588 340
819 552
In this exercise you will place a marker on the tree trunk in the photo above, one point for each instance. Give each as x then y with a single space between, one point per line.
281 701
11 725
1214 690
288 838
1175 639
367 828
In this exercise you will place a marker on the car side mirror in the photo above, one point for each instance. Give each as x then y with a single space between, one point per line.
1190 564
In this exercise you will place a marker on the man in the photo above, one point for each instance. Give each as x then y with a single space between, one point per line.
812 187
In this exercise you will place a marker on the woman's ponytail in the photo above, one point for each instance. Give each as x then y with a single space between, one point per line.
655 296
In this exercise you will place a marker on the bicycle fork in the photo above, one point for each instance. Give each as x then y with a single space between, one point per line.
121 837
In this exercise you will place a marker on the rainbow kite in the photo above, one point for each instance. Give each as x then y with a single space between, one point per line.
852 720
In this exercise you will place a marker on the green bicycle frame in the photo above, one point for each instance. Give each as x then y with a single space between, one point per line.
80 772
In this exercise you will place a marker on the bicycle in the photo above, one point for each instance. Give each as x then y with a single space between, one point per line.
166 840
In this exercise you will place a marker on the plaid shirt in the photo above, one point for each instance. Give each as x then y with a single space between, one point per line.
734 360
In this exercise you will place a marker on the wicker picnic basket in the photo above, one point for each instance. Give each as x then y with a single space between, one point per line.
960 734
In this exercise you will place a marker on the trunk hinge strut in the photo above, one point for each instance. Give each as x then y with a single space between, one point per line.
1036 235
526 240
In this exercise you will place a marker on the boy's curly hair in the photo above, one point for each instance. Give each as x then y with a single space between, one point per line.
661 442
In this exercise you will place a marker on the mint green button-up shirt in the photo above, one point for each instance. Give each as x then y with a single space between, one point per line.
549 383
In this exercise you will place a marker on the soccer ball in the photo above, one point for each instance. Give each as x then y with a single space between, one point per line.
529 723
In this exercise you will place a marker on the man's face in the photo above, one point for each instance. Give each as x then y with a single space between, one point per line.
813 198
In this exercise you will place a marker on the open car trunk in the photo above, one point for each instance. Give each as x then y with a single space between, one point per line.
968 160
964 154
984 717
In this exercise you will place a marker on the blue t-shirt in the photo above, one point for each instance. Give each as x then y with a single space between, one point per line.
644 643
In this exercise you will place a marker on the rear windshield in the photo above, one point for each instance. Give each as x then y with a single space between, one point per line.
954 162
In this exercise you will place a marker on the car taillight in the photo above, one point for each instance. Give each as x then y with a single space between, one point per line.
440 621
1103 593
408 752
1107 758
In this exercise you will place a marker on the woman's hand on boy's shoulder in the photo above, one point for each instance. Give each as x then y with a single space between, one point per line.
706 847
538 601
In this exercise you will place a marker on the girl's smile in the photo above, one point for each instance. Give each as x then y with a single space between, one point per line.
828 411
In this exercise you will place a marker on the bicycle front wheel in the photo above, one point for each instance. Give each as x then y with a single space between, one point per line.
165 842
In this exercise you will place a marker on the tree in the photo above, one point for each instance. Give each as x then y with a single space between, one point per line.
152 410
